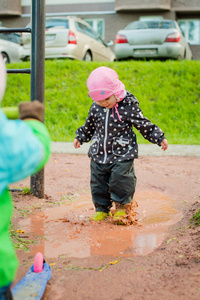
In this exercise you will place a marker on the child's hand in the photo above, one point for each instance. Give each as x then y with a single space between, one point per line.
77 144
164 144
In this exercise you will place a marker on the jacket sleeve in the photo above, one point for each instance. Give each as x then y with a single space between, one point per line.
41 133
24 149
149 131
85 132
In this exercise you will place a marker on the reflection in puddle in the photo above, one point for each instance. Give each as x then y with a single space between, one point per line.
66 229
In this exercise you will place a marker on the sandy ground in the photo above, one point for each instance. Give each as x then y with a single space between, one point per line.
160 259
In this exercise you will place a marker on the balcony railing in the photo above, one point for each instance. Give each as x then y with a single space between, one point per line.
145 5
10 8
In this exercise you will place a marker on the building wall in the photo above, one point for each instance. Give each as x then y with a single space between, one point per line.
127 5
186 5
105 10
9 7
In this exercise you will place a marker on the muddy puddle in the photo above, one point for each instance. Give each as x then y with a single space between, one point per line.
66 229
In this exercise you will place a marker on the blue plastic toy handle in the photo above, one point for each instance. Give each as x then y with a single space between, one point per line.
32 285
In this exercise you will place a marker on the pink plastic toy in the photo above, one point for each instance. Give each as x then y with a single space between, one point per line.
38 263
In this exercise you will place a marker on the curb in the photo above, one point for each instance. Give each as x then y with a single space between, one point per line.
144 149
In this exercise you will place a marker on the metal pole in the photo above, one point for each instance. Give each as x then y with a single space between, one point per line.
38 74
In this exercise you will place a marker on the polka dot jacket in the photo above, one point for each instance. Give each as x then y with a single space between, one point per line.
113 139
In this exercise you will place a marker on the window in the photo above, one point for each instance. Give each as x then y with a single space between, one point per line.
11 37
149 18
50 23
191 30
80 27
56 23
90 32
153 24
97 25
87 30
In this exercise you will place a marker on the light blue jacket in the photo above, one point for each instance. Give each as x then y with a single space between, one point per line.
24 149
20 151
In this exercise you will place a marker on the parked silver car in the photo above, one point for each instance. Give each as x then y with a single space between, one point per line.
152 39
9 47
70 37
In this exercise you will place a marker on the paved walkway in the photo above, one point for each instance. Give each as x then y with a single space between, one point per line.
144 149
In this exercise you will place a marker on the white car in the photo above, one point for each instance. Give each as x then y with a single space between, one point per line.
9 47
152 39
70 37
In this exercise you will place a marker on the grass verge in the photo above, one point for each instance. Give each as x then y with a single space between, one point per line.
168 92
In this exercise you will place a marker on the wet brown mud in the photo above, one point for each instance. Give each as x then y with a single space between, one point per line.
67 230
167 189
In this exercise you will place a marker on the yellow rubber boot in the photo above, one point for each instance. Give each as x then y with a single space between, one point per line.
119 216
126 214
99 216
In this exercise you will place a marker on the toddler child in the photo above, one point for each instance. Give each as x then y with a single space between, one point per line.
24 149
113 142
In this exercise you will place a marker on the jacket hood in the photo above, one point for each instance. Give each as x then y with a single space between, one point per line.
103 82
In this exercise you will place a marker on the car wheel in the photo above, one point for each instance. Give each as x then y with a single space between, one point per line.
6 58
181 57
87 56
26 58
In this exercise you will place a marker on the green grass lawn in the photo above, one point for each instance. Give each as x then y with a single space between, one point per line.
168 93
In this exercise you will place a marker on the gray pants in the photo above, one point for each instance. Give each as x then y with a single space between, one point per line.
112 182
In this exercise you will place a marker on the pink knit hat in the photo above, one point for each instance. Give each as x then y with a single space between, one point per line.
103 82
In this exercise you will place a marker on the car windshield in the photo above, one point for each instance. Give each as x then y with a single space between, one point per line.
56 23
151 24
